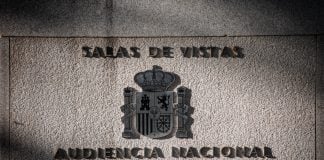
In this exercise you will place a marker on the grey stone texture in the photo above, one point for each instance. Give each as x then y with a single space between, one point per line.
60 99
66 18
55 18
51 96
320 99
4 98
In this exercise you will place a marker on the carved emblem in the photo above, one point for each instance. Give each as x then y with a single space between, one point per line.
154 112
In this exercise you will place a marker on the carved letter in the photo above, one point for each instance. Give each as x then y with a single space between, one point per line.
228 52
256 152
136 53
110 153
175 152
147 152
87 51
98 52
101 153
228 152
135 153
268 152
183 152
204 52
204 152
247 151
167 52
157 152
238 51
196 52
216 152
120 153
75 153
187 52
155 52
61 154
193 152
89 153
122 52
110 52
239 152
214 51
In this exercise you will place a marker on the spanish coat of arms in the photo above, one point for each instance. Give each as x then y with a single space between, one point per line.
154 112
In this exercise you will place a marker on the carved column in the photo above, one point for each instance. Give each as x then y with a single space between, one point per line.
128 109
183 113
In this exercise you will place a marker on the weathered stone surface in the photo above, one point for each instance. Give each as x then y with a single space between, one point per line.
60 99
320 99
214 18
158 18
4 98
55 18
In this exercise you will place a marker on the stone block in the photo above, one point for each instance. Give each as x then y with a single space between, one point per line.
61 99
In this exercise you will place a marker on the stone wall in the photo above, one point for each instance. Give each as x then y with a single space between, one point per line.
52 96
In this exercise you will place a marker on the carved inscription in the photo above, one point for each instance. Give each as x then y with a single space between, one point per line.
155 152
163 52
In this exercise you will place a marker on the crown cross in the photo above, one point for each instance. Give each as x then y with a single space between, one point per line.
154 80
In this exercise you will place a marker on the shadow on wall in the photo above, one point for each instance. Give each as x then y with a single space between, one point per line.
55 18
23 150
51 18
156 18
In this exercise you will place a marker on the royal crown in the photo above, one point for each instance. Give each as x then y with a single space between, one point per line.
155 79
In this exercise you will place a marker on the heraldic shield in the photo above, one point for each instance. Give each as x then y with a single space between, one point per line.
153 112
